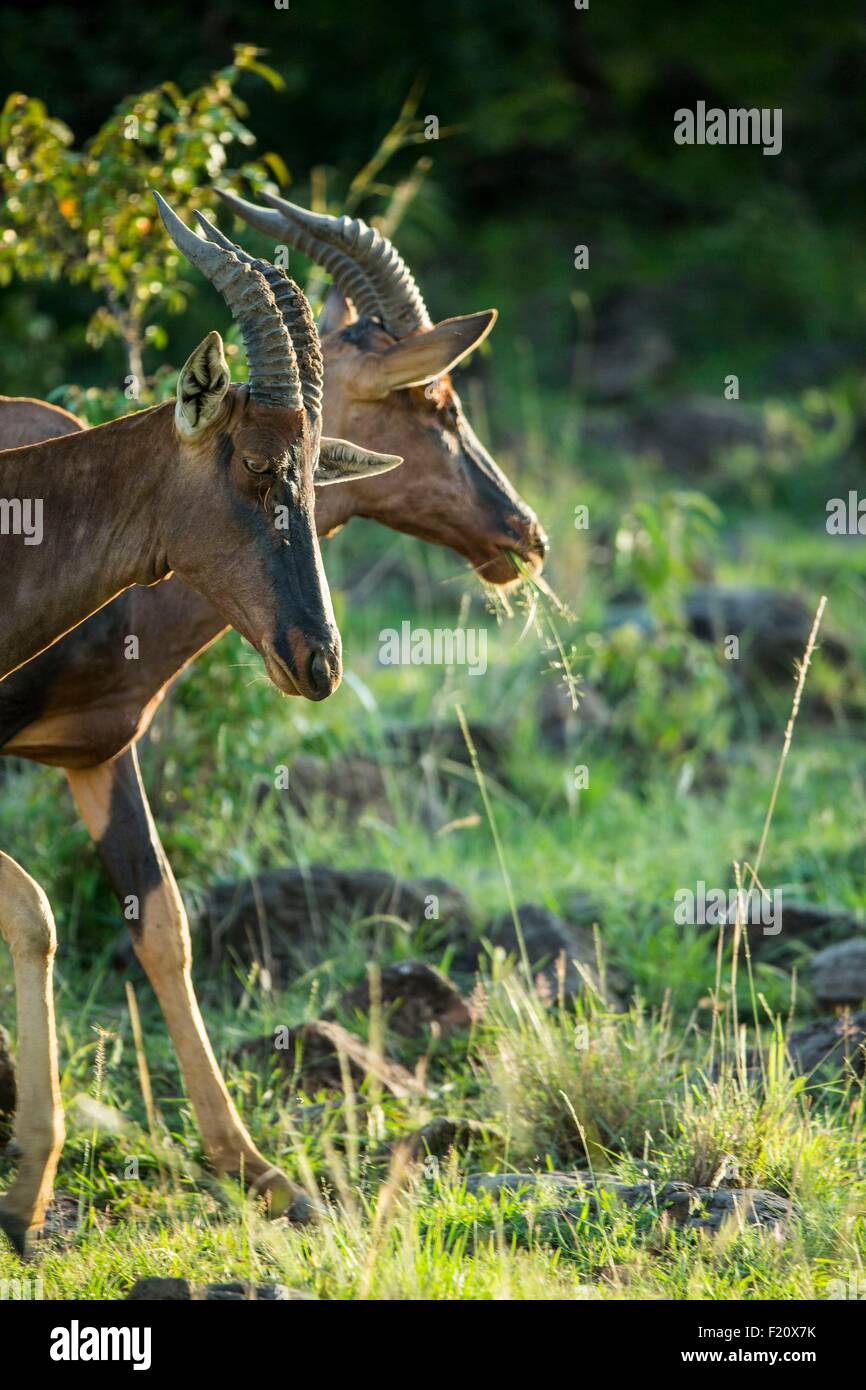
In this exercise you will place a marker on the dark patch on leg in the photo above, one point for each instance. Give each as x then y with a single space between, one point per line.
17 1232
126 849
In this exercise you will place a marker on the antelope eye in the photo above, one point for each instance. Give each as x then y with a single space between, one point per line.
255 465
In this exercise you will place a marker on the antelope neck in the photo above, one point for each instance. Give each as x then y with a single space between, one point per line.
99 498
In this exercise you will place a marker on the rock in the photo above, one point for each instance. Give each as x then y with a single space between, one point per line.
560 725
438 745
310 1056
351 785
687 433
709 1208
440 1134
773 628
830 1045
799 365
698 1208
691 433
549 1186
547 937
414 996
812 923
581 909
274 917
348 788
8 1091
64 1215
838 973
631 351
245 1292
152 1290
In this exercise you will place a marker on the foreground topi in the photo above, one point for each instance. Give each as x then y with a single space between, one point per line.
82 705
202 488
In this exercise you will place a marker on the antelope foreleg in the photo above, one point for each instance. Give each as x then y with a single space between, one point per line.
113 802
27 924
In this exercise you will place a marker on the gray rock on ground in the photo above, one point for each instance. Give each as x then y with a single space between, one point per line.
310 1055
440 1134
547 937
773 627
279 913
414 996
814 924
697 1208
829 1046
689 433
159 1290
350 787
838 973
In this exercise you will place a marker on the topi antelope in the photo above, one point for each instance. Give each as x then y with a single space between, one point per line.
386 372
198 489
81 706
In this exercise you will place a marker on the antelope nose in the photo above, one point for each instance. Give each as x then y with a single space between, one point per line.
323 672
539 541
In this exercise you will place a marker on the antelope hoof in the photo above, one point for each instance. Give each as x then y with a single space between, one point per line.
286 1198
18 1233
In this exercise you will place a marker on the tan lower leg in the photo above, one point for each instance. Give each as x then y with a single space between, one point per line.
114 805
27 924
164 949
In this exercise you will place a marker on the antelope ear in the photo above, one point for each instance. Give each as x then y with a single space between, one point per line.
201 387
425 355
337 312
340 462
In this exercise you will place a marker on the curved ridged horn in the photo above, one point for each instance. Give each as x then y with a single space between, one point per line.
274 375
296 313
365 265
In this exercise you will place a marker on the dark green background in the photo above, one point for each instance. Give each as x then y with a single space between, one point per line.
567 136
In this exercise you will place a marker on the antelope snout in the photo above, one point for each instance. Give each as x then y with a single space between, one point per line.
324 672
525 536
316 662
537 543
300 664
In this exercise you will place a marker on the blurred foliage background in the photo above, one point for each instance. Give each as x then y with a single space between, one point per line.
556 129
